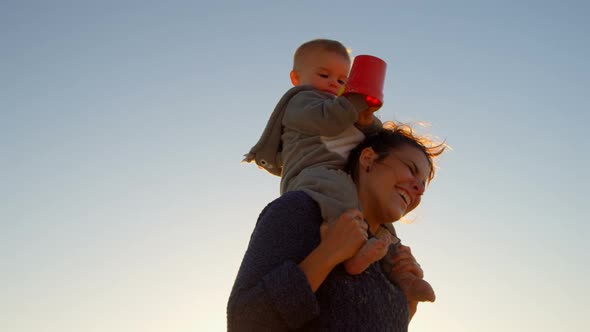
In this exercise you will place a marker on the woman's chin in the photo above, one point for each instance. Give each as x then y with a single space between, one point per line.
395 215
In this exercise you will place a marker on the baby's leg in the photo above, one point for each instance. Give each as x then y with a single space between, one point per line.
373 250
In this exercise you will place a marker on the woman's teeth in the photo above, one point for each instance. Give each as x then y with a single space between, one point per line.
405 196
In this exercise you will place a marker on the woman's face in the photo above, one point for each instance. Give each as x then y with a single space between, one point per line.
394 185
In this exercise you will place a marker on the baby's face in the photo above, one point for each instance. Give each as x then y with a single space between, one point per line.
325 71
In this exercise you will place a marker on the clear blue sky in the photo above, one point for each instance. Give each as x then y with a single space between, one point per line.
124 206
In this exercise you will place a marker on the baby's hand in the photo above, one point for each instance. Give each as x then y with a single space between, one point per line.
367 105
366 117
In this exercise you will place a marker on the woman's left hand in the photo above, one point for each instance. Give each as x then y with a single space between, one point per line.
404 261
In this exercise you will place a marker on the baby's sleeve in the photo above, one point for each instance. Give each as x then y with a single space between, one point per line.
313 113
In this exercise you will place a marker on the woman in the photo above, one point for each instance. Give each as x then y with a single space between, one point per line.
291 277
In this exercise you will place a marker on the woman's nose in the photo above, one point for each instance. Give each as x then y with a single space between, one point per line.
419 187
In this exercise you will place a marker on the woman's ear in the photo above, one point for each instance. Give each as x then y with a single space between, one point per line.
294 77
367 158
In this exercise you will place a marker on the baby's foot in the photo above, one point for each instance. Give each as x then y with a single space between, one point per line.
373 250
417 289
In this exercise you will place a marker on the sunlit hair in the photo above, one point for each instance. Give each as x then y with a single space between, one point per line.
391 137
326 45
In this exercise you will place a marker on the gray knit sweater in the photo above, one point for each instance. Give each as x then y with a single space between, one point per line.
271 293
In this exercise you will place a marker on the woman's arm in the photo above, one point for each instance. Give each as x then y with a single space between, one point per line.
285 263
341 239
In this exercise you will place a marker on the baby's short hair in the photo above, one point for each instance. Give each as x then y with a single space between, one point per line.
326 45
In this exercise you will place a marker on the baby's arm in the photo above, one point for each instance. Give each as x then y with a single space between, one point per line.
313 113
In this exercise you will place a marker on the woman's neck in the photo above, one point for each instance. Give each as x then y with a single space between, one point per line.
373 227
371 219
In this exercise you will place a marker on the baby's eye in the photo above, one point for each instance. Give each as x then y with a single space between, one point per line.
323 75
341 82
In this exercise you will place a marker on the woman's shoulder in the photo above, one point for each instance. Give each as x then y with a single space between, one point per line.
297 202
290 224
293 212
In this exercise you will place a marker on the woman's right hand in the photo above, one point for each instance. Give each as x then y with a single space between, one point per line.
340 240
345 235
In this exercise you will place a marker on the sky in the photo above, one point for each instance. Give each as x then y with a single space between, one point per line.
124 205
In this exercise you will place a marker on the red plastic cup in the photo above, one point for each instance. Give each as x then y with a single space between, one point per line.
367 77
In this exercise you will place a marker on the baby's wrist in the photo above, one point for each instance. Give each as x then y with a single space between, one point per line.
358 101
364 119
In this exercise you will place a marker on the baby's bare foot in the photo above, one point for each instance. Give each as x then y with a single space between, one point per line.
373 250
417 289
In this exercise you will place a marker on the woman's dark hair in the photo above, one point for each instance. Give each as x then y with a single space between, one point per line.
391 136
